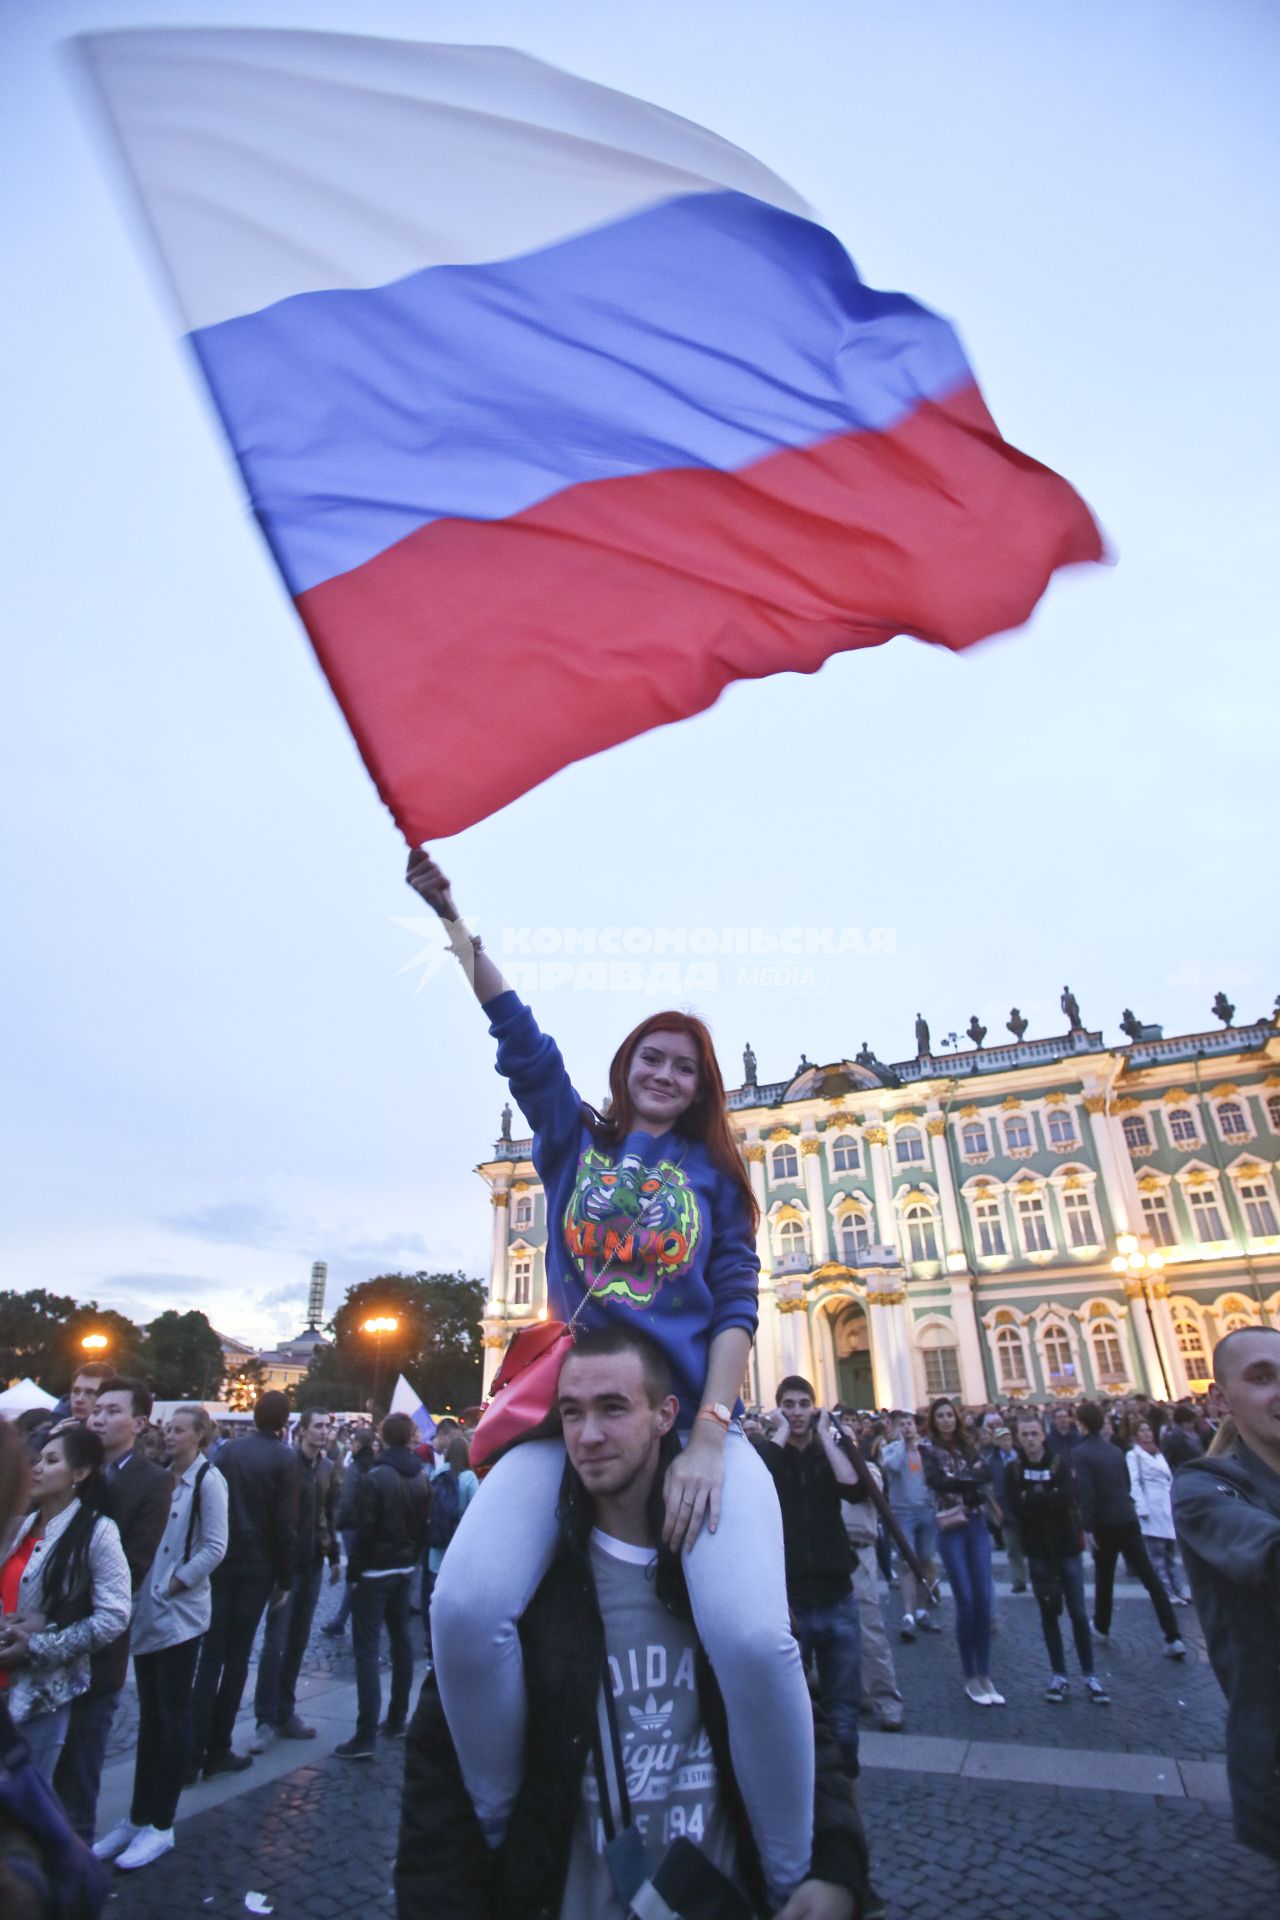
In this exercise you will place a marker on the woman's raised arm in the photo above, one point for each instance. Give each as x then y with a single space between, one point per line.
426 879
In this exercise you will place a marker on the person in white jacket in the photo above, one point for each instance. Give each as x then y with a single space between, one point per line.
172 1617
1151 1483
64 1591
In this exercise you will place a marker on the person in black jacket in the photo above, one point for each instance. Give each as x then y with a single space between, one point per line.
275 1700
1111 1527
390 1535
261 1473
608 1634
1040 1491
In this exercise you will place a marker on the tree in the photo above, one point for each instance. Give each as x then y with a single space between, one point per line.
436 1344
245 1383
183 1357
41 1332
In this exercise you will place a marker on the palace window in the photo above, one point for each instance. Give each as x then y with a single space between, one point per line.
1011 1362
908 1145
521 1282
855 1237
941 1361
1183 1130
522 1212
1273 1113
1137 1134
974 1143
1058 1364
1108 1351
1206 1216
1017 1134
1186 1331
785 1162
1158 1219
844 1154
1082 1228
1035 1228
922 1237
990 1228
1233 1122
1238 1320
1255 1197
1062 1128
791 1241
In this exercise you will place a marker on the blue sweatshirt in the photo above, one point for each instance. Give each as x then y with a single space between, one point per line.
677 1227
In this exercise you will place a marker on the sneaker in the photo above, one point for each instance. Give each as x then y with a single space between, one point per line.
116 1841
356 1748
1103 1639
392 1729
907 1631
147 1845
1098 1694
263 1737
1057 1689
994 1699
335 1629
978 1693
926 1625
296 1728
1019 1586
1179 1600
226 1763
1174 1650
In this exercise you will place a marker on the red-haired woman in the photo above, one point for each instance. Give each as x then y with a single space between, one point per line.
650 1210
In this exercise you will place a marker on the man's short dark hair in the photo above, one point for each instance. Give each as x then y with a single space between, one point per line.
98 1370
123 1383
794 1383
617 1338
1185 1416
397 1430
271 1414
1090 1416
309 1414
1224 1346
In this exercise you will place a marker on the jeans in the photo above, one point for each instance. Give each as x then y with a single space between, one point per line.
966 1555
1013 1547
238 1600
920 1529
275 1699
1164 1557
340 1618
879 1680
1054 1578
165 1679
831 1637
1110 1543
374 1600
738 1591
45 1733
78 1773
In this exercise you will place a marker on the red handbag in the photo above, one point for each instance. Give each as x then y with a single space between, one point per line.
523 1394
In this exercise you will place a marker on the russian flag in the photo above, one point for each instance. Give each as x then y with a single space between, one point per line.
558 412
407 1399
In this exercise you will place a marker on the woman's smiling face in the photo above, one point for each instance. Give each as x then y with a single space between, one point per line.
662 1079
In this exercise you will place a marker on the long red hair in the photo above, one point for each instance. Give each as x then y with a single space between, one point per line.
706 1119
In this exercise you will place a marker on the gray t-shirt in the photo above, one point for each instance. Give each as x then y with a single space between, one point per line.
670 1770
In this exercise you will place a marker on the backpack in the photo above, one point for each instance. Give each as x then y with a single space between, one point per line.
446 1509
37 1845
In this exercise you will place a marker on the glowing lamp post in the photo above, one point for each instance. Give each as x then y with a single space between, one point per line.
379 1326
95 1344
1141 1269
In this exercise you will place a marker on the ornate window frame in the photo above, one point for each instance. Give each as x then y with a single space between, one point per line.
983 1191
1152 1184
520 1254
1077 1178
777 1148
1061 1109
1196 1178
843 1207
948 1342
913 1124
1006 1320
1178 1100
1232 1098
905 1201
1011 1110
1247 1172
786 1213
1094 1315
1139 1117
1030 1186
1052 1314
974 1117
1182 1307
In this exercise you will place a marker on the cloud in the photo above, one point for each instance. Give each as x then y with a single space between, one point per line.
240 1223
145 1295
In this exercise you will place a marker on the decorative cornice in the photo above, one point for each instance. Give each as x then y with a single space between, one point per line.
754 1152
1133 1289
878 1136
1175 1096
898 1298
1095 1103
810 1144
1160 1289
779 1133
1225 1092
500 1198
1248 1170
1011 1100
1055 1099
906 1118
970 1113
520 1186
916 1197
496 1341
1126 1104
936 1123
1152 1183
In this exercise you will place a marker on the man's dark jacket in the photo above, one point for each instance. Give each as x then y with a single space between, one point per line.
1227 1516
317 1536
1179 1444
138 1501
261 1473
1102 1484
820 1555
390 1514
444 1868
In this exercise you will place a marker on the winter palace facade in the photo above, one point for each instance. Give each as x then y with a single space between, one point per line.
1056 1216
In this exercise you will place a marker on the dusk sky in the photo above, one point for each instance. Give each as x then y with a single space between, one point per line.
220 1061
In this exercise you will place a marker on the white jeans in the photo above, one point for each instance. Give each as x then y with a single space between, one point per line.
737 1588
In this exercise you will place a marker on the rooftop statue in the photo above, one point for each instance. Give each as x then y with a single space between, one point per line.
1016 1024
1071 1007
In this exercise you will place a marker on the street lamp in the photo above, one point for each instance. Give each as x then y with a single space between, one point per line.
94 1343
1141 1268
379 1325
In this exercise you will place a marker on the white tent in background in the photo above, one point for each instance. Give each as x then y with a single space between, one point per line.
23 1397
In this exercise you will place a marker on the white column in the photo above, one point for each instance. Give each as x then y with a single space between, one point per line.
1124 1217
964 1318
953 1238
499 1200
877 1139
1167 1340
1139 1321
819 1224
820 1330
891 1336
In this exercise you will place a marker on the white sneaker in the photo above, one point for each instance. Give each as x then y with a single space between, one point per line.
978 1693
263 1736
116 1841
994 1699
1174 1650
148 1845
